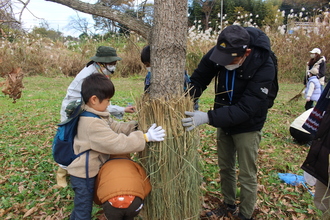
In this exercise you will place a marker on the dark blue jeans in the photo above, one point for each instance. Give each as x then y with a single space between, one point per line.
83 198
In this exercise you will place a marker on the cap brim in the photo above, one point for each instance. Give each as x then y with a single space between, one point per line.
220 57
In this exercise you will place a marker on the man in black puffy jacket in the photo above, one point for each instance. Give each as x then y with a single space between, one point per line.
244 73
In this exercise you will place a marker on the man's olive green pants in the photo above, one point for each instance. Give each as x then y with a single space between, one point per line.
244 148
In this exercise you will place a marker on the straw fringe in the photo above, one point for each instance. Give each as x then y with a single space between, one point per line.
172 165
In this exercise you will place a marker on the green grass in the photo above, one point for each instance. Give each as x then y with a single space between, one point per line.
27 177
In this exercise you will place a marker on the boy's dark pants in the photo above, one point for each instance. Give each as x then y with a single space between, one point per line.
129 213
83 198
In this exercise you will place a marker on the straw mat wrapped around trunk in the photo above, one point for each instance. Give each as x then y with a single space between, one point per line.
172 165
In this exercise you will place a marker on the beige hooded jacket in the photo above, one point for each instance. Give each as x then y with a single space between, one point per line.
104 137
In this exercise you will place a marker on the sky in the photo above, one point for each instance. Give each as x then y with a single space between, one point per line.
56 15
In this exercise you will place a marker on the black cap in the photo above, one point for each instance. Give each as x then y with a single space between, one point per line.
232 42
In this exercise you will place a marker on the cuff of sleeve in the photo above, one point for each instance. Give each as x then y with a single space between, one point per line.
121 109
210 119
146 137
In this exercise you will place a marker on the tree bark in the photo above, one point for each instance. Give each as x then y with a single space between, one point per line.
98 9
168 47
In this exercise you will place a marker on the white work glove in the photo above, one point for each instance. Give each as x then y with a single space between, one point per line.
155 133
196 118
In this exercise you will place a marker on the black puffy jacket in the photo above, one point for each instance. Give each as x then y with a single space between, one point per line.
245 108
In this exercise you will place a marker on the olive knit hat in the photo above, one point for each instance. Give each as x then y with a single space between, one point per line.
105 55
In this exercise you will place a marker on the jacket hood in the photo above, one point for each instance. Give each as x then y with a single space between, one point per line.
260 46
258 39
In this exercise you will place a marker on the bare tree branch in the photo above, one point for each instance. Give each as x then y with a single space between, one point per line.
98 9
7 14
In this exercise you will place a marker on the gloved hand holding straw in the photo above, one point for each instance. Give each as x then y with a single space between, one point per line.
196 118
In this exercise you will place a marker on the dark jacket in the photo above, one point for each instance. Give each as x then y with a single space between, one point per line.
245 108
317 160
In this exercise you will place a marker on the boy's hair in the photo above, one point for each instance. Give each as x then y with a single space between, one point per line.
99 85
145 54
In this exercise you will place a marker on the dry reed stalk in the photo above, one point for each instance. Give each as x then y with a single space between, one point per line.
172 165
297 97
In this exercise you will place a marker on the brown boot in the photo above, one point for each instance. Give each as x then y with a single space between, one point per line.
61 177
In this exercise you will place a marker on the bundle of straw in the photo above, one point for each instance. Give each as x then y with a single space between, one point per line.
172 165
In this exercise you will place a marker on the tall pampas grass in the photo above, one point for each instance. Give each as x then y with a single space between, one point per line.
172 165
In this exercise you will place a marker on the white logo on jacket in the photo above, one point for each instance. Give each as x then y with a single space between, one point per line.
264 90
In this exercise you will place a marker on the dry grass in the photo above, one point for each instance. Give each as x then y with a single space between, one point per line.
43 56
292 51
173 165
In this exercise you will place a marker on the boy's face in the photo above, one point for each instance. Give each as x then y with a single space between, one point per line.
95 103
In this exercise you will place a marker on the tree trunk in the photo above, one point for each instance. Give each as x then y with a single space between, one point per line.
168 48
172 165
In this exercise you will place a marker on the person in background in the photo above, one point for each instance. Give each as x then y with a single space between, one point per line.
145 59
316 65
99 138
298 132
312 91
121 187
244 71
103 62
317 160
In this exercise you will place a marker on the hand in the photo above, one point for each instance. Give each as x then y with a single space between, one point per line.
308 99
130 109
134 125
155 133
196 118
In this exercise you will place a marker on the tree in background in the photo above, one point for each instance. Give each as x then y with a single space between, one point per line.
80 25
303 10
47 33
310 6
7 18
252 12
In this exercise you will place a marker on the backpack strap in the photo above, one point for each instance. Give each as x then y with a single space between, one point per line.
87 114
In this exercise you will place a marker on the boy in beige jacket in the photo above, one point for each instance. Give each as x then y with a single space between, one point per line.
99 138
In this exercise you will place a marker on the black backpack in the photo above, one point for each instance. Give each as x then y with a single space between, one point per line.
272 93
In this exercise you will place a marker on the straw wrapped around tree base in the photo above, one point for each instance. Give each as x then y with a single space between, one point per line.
172 165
